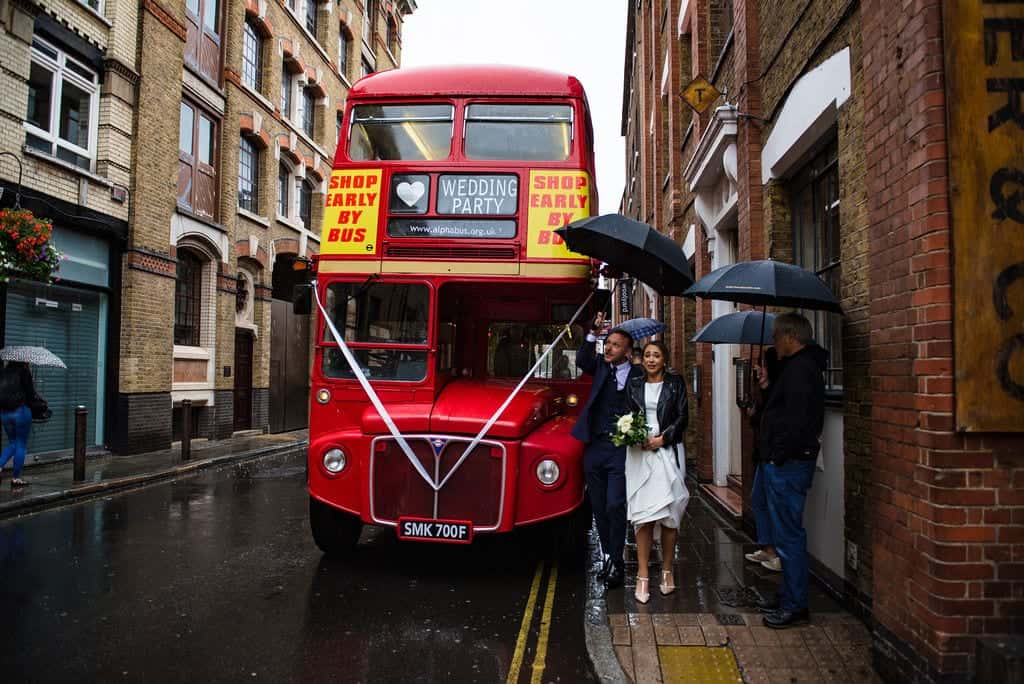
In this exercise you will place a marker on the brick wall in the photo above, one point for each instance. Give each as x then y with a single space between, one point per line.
948 507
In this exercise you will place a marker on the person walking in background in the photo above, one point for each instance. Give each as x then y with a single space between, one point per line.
604 463
766 556
16 391
791 423
656 494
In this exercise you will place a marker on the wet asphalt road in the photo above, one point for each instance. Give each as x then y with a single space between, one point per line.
215 578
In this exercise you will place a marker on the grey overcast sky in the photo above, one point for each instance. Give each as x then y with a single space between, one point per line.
585 38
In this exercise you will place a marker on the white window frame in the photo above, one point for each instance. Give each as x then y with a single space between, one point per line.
290 186
98 9
58 67
247 26
292 105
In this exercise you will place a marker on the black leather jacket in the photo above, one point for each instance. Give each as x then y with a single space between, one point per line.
673 411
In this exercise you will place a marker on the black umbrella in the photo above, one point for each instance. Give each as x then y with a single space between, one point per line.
633 247
742 327
764 283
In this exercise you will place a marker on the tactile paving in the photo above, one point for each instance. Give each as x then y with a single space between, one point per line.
698 665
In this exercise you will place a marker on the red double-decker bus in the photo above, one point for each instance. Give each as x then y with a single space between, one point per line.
440 270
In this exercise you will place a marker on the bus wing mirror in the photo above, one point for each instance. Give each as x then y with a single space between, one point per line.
302 302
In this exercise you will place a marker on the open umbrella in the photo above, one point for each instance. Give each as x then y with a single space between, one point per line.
767 282
37 356
633 247
742 327
639 328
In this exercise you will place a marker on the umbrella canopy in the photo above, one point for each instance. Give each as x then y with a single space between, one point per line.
633 247
639 328
764 283
742 327
37 356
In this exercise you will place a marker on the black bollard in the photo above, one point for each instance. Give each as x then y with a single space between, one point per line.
186 429
80 417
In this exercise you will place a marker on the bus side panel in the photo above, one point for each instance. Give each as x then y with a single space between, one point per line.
536 502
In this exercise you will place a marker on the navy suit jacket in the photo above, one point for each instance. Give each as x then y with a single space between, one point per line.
588 362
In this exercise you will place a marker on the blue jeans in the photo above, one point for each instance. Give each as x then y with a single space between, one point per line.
759 504
786 488
17 425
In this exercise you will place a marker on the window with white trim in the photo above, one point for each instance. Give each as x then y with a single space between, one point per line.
370 22
311 18
344 45
284 184
63 104
248 175
308 111
252 57
287 85
304 193
94 4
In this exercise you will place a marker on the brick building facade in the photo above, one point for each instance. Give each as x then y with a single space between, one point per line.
829 149
196 162
69 80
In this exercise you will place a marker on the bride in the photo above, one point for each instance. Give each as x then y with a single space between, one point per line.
655 492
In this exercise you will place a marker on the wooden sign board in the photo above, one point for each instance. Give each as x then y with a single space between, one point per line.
985 105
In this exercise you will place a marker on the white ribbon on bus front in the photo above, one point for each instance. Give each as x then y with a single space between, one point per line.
374 399
377 404
501 409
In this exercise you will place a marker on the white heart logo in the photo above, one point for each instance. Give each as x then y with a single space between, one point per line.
410 193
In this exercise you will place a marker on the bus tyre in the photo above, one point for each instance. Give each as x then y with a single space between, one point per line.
334 531
570 536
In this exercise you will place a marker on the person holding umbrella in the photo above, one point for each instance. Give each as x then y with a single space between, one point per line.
16 391
791 423
604 464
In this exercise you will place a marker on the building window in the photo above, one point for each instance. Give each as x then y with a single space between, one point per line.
370 22
95 4
816 231
284 177
188 297
304 188
344 44
252 56
365 68
311 10
339 123
248 175
203 39
197 160
392 36
286 92
308 112
63 102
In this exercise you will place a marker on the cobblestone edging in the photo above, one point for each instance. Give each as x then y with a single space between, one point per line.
596 629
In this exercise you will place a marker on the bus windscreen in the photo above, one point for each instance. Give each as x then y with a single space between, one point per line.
415 132
518 132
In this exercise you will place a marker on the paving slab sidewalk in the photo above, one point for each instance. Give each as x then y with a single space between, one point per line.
709 629
53 484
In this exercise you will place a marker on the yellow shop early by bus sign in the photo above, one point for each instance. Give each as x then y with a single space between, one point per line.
555 199
351 212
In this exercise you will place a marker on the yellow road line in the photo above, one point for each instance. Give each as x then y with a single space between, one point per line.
524 628
545 628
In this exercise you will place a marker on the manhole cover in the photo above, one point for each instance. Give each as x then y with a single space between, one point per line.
737 597
730 619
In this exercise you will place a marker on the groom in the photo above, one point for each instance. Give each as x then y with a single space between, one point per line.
604 464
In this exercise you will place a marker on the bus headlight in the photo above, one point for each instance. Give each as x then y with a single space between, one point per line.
547 472
323 396
334 461
572 400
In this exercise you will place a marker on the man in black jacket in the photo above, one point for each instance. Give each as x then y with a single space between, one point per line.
791 422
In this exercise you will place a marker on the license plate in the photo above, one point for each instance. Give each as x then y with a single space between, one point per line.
447 531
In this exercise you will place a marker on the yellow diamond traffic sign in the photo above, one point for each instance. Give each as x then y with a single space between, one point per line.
700 94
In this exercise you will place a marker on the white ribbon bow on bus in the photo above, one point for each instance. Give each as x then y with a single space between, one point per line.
393 429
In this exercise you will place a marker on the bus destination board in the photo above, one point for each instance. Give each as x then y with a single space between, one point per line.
487 195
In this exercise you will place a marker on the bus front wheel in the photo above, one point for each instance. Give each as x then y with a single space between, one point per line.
334 531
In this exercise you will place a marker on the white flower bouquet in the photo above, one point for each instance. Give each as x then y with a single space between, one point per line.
631 429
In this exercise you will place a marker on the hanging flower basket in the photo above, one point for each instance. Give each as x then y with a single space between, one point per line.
25 247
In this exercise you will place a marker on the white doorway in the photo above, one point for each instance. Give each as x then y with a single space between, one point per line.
726 416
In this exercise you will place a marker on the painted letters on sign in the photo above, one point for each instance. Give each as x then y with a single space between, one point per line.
351 211
985 102
556 198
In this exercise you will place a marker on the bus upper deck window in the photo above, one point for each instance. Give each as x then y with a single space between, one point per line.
417 132
519 132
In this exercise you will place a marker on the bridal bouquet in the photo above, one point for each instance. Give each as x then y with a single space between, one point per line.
631 429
